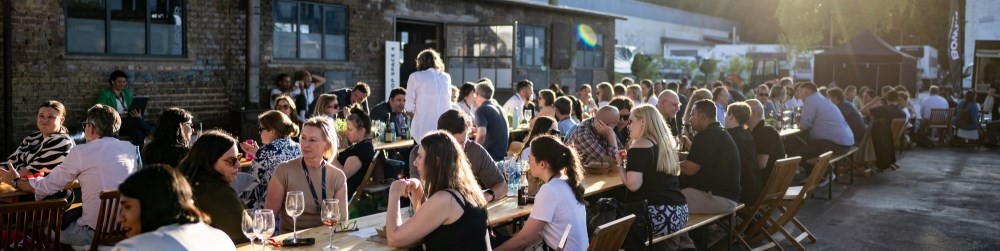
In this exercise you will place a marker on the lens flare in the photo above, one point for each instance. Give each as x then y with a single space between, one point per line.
586 35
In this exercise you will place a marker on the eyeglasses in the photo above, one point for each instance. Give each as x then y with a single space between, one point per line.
262 129
232 161
624 117
84 124
188 124
284 107
763 94
349 226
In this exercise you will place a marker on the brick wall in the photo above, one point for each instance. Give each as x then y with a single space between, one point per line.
372 22
209 81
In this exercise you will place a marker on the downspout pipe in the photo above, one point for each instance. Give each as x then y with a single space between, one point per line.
8 98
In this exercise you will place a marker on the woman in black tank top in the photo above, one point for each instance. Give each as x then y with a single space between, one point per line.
454 216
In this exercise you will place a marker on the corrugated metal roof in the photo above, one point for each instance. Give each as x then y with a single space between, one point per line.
560 8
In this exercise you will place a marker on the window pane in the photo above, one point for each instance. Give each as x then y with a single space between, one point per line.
166 36
453 68
128 27
539 49
505 38
311 30
85 27
336 33
285 14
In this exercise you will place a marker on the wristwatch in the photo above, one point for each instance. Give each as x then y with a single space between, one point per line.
490 191
13 183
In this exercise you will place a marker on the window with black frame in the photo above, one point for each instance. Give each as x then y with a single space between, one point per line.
310 31
477 51
590 54
531 42
125 27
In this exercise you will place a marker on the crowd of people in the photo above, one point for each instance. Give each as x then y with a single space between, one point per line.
192 190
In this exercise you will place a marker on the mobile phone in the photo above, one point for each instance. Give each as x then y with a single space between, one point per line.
298 242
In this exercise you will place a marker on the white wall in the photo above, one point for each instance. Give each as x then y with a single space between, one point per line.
646 34
982 23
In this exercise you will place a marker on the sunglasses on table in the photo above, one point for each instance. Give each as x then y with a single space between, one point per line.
344 227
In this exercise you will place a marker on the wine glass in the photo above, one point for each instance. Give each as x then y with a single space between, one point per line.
330 217
264 220
295 204
249 228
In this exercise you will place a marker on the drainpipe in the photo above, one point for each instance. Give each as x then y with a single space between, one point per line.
8 98
253 56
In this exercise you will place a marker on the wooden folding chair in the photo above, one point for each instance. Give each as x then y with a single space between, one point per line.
755 216
108 230
941 119
611 235
898 127
565 238
34 225
794 200
378 162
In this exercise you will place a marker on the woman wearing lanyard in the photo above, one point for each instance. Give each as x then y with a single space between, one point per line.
313 174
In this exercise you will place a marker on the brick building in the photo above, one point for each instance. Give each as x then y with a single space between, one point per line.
217 58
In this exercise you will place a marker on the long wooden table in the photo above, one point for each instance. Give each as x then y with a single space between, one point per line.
502 211
13 196
788 132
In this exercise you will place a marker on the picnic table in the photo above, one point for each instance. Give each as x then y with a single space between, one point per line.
501 211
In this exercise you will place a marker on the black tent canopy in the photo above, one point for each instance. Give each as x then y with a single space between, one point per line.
866 60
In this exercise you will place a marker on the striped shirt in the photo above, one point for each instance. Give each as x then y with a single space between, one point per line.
41 154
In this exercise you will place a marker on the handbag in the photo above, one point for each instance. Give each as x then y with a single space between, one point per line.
610 209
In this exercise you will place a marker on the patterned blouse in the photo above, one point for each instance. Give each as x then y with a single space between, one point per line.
40 154
264 163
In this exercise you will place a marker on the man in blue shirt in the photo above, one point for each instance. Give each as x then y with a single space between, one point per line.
853 116
721 97
564 111
827 129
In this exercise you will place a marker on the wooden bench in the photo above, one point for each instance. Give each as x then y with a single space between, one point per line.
834 163
699 220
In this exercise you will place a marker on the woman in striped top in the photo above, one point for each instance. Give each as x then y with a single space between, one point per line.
45 149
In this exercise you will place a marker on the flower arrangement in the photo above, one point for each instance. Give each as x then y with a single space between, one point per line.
341 125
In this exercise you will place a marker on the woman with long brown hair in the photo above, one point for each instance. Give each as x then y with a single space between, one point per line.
157 213
559 201
453 215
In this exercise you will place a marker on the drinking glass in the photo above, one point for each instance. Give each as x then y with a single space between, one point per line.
330 217
249 228
295 204
264 220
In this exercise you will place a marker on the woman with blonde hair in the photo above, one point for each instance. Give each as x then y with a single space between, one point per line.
634 92
453 214
650 174
604 94
326 106
313 173
286 105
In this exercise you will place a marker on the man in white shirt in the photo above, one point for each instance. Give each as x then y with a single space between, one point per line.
101 164
934 101
521 99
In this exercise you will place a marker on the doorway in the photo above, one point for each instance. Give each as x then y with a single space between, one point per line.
415 36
